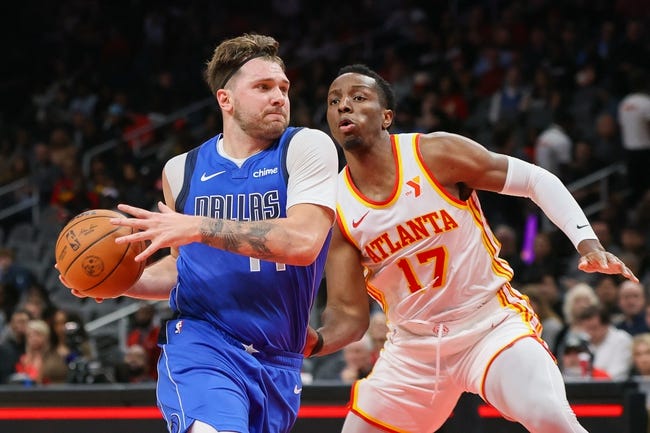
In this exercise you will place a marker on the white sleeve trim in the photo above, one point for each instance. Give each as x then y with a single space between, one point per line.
175 171
550 194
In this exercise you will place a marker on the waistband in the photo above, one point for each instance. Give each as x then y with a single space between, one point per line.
266 354
443 324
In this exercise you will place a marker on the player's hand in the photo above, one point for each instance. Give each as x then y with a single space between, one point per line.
310 343
163 229
606 263
74 291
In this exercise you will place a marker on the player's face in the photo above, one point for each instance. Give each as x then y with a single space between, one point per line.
261 99
355 114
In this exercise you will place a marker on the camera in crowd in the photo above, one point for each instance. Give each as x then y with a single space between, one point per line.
82 368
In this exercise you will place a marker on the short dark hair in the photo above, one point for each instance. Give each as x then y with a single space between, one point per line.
595 311
386 94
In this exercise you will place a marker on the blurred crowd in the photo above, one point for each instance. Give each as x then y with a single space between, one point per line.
89 122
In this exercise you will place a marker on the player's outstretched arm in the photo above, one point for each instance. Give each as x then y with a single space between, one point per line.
346 315
461 160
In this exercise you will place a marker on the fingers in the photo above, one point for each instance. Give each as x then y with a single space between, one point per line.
132 210
146 253
79 294
605 262
162 207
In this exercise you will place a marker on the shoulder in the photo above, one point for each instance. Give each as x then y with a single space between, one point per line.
311 145
310 136
447 146
175 164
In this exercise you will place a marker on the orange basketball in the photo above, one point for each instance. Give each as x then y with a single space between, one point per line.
89 259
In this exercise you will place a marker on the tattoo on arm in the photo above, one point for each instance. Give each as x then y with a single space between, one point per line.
237 237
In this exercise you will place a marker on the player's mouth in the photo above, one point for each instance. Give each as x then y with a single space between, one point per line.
346 126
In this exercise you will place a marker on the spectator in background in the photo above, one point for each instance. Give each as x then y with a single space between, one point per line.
144 332
641 356
583 164
588 98
545 260
553 149
641 364
13 274
507 103
358 360
607 288
577 299
135 366
634 245
612 348
38 352
542 100
12 343
37 301
634 118
510 252
44 172
606 142
8 302
577 361
70 193
377 333
552 324
632 302
68 337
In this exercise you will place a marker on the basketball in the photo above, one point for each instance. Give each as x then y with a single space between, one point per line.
89 259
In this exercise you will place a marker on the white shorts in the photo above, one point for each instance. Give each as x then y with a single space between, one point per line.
423 370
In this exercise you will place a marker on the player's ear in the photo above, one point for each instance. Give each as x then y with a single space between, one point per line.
223 99
388 119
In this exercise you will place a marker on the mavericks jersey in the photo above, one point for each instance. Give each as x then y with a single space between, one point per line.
252 300
427 255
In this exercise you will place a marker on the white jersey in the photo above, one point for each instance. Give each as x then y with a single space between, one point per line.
428 256
634 117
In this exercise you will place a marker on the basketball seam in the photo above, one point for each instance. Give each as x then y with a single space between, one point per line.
80 253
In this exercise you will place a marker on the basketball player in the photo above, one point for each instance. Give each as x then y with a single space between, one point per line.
411 229
248 218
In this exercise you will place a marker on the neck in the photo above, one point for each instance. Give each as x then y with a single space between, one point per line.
238 144
372 167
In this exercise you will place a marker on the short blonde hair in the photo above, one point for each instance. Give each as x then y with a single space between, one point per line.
39 326
575 292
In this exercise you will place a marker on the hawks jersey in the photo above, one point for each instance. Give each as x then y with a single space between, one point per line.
258 302
427 255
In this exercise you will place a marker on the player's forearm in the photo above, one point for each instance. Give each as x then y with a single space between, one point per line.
342 326
272 240
550 194
156 281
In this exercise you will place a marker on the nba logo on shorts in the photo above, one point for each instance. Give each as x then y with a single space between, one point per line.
179 327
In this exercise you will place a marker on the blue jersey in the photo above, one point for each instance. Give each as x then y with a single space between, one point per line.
255 301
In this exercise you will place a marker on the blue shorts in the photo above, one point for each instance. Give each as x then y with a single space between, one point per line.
207 375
